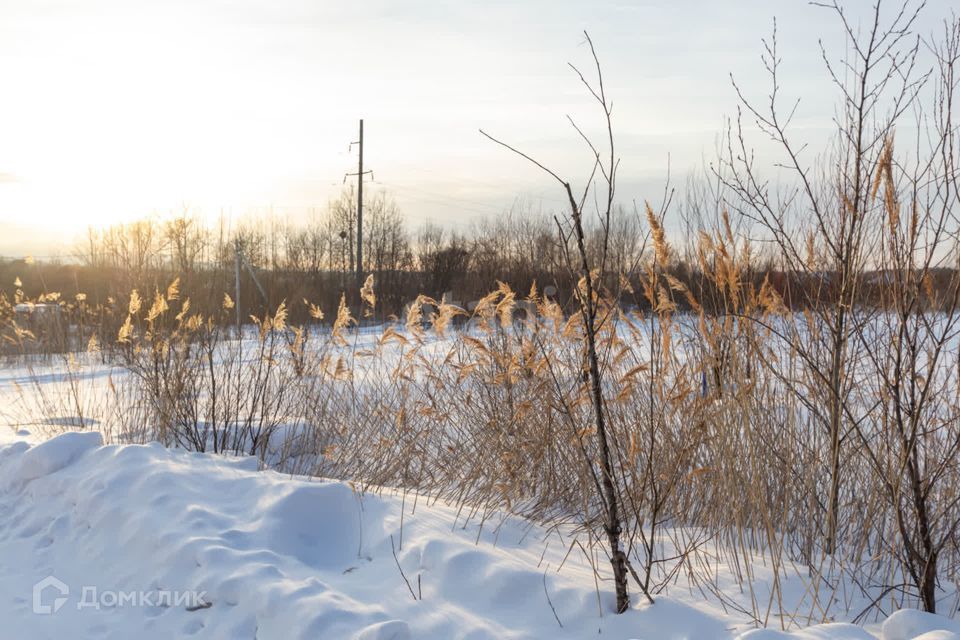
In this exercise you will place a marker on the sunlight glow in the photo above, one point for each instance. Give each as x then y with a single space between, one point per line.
119 109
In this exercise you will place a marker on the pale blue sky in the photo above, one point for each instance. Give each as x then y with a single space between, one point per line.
115 109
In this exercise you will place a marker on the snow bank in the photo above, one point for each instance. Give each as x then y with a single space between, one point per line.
141 541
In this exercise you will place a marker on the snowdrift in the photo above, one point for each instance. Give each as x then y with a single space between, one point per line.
141 541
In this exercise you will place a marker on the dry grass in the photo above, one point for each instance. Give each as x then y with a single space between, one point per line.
720 466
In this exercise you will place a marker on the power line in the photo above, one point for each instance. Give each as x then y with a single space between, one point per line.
500 185
437 198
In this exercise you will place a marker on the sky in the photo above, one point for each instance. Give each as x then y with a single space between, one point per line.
113 110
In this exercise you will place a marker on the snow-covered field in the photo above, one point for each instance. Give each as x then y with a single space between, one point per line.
123 541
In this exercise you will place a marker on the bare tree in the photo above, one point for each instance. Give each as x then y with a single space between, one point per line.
588 296
824 225
914 441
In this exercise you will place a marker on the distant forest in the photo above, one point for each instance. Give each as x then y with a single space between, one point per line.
313 262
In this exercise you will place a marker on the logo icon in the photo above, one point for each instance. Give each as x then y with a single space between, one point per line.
50 582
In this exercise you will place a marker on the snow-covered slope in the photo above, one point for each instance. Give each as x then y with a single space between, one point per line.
145 542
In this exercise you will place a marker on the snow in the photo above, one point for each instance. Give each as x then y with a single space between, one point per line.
909 624
56 454
242 553
835 631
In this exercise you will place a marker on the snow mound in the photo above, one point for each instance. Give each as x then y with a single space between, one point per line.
939 635
56 454
291 524
910 624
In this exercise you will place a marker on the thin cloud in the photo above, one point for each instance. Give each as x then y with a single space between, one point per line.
8 178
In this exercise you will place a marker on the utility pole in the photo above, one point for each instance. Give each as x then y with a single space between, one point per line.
360 172
236 301
360 209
